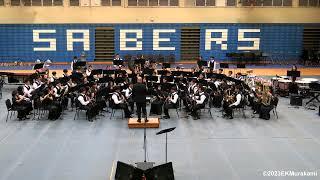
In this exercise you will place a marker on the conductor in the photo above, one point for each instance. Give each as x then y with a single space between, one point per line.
139 93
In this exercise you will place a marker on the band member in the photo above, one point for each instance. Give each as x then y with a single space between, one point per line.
118 59
89 70
139 93
37 83
220 71
128 95
21 104
73 62
230 74
54 76
228 108
212 64
157 101
48 101
27 89
119 102
192 89
199 61
171 102
266 105
199 103
59 92
86 104
65 73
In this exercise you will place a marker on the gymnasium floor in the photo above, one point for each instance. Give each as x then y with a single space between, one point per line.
206 149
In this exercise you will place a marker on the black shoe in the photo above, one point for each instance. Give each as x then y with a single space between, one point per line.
146 120
139 120
90 120
166 117
230 117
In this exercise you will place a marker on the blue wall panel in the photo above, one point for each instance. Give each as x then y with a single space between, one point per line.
282 41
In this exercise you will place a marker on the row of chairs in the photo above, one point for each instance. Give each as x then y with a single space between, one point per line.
41 110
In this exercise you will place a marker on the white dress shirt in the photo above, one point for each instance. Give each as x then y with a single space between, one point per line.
37 84
238 97
127 92
115 99
27 90
82 100
88 73
56 92
174 97
202 98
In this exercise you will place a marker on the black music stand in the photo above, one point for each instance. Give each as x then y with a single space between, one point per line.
140 61
117 62
204 63
38 66
166 131
80 64
293 73
166 65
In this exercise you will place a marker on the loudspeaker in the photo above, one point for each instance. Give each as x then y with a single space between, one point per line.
162 172
127 172
296 100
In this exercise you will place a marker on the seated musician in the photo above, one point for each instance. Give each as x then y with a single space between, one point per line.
228 108
59 92
157 101
171 102
37 83
96 94
89 70
21 104
86 104
128 96
191 91
199 103
256 100
48 101
53 77
266 105
119 102
65 73
27 89
230 74
117 58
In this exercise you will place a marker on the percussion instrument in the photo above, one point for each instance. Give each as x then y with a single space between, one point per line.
283 84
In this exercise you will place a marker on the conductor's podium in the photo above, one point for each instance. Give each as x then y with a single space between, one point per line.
152 123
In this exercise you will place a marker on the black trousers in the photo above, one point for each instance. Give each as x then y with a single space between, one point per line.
256 106
265 111
228 110
125 109
141 106
195 109
168 106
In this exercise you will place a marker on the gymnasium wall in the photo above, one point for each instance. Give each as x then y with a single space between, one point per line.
30 33
60 42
